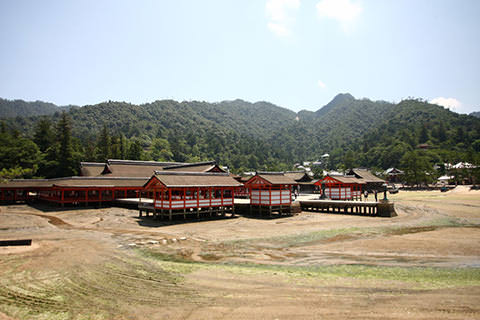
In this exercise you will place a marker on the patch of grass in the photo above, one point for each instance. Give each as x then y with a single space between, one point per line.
103 291
445 222
417 277
171 263
343 234
210 256
298 239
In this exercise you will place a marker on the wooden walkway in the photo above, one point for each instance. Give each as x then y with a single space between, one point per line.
242 206
147 208
367 208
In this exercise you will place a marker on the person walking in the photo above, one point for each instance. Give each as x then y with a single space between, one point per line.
365 194
376 197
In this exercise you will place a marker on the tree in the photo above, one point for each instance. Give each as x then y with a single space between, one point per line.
19 157
317 172
416 167
441 133
476 145
104 144
43 135
459 135
135 151
161 150
115 149
3 127
123 146
65 158
423 134
349 160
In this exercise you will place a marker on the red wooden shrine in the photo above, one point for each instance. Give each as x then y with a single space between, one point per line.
182 190
341 187
270 190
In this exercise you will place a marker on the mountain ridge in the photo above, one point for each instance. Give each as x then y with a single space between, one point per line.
19 107
262 135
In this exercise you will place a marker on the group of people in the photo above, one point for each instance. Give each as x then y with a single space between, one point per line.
365 195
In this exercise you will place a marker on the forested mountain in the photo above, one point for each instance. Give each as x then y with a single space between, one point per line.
20 108
249 136
475 114
446 136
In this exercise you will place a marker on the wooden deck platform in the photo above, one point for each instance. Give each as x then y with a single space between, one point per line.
366 208
254 210
242 206
146 208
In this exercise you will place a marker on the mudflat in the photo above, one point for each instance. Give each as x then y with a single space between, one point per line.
108 263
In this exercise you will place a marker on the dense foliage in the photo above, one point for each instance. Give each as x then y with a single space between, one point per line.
242 135
20 108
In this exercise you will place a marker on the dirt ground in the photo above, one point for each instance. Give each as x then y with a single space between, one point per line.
108 263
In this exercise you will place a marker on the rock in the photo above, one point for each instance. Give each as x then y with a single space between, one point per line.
152 242
164 241
132 244
183 238
174 240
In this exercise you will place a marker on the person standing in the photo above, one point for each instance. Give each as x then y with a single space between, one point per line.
365 194
376 197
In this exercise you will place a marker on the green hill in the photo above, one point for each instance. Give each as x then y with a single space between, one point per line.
260 135
447 136
20 108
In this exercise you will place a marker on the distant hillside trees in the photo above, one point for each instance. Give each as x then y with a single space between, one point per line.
19 157
245 136
67 163
417 167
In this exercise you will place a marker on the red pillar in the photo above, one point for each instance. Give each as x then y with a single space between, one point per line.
154 197
210 195
161 197
290 192
170 198
222 190
198 197
270 195
184 197
260 195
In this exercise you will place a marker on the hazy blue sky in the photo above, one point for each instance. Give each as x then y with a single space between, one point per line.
295 53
